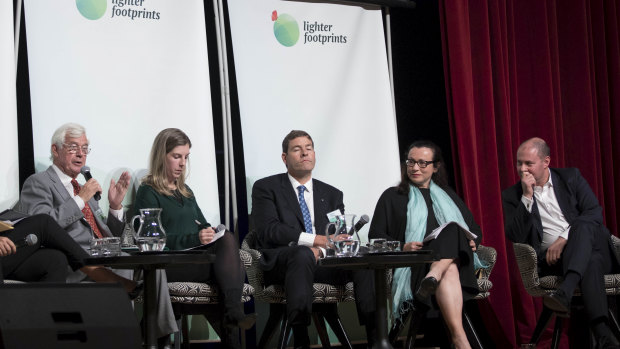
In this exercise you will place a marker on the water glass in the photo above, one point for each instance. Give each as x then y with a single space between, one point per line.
105 247
347 248
376 245
330 252
391 246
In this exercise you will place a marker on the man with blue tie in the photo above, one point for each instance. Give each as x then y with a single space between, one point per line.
555 211
289 213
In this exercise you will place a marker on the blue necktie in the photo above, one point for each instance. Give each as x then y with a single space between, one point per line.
304 209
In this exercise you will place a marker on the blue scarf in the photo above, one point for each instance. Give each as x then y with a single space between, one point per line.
417 213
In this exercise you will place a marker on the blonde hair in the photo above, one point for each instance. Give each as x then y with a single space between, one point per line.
163 144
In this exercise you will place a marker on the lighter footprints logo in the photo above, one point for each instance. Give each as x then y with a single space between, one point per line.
91 9
285 28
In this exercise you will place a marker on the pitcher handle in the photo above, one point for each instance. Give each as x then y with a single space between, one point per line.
330 242
133 221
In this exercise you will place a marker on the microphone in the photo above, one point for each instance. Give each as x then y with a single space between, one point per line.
85 171
29 240
362 222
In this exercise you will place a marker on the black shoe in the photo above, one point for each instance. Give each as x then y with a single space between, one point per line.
427 288
245 323
164 342
137 291
558 302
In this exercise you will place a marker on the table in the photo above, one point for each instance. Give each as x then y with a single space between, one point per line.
150 262
381 262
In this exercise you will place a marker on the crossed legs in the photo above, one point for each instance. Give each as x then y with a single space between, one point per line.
450 299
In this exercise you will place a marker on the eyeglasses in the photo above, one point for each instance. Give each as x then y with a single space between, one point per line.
421 163
73 148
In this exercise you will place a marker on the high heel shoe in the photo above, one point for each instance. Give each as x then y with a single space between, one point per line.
427 288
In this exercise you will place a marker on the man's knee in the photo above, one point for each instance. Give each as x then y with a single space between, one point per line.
301 256
53 258
580 227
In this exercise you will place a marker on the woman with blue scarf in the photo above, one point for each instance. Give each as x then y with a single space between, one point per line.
411 211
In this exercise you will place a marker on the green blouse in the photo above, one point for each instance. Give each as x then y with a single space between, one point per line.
178 218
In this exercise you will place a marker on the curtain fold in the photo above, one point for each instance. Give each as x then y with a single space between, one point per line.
519 69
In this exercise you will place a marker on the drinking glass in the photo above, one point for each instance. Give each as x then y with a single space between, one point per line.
105 247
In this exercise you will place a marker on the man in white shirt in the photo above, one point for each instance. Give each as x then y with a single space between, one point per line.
57 193
555 211
289 214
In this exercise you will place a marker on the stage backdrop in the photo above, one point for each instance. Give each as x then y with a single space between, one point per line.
321 68
9 171
125 72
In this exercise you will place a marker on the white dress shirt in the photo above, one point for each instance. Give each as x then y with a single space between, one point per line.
66 182
553 221
305 239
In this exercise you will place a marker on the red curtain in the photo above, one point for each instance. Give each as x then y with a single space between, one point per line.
519 69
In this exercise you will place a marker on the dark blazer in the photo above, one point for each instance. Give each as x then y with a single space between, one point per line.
575 197
389 220
276 216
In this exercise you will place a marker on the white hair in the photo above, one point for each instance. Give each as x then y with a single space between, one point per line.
72 130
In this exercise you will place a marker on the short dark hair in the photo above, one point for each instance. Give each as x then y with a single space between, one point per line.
440 177
292 135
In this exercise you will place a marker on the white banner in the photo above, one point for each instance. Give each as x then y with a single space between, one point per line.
9 171
321 68
125 69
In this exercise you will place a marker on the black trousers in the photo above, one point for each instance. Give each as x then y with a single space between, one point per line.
47 260
588 252
296 268
226 270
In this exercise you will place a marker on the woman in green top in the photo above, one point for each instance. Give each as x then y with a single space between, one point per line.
186 226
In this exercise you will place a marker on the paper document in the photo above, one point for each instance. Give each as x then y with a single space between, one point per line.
221 229
5 225
435 233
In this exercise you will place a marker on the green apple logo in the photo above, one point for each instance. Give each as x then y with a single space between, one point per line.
285 28
91 9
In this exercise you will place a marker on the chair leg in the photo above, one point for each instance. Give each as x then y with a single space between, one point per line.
557 332
177 334
615 327
469 328
285 330
185 332
541 324
276 314
416 320
336 325
319 323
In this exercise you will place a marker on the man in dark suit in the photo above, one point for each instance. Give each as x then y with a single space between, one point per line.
57 193
289 213
555 211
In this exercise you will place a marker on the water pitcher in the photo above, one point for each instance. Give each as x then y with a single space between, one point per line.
343 225
151 235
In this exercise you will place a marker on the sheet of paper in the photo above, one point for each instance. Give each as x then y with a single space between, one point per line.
435 233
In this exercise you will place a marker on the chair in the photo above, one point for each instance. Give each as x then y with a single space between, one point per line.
487 255
323 294
537 286
195 298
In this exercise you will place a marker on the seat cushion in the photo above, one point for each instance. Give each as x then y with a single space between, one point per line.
550 283
201 293
321 293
